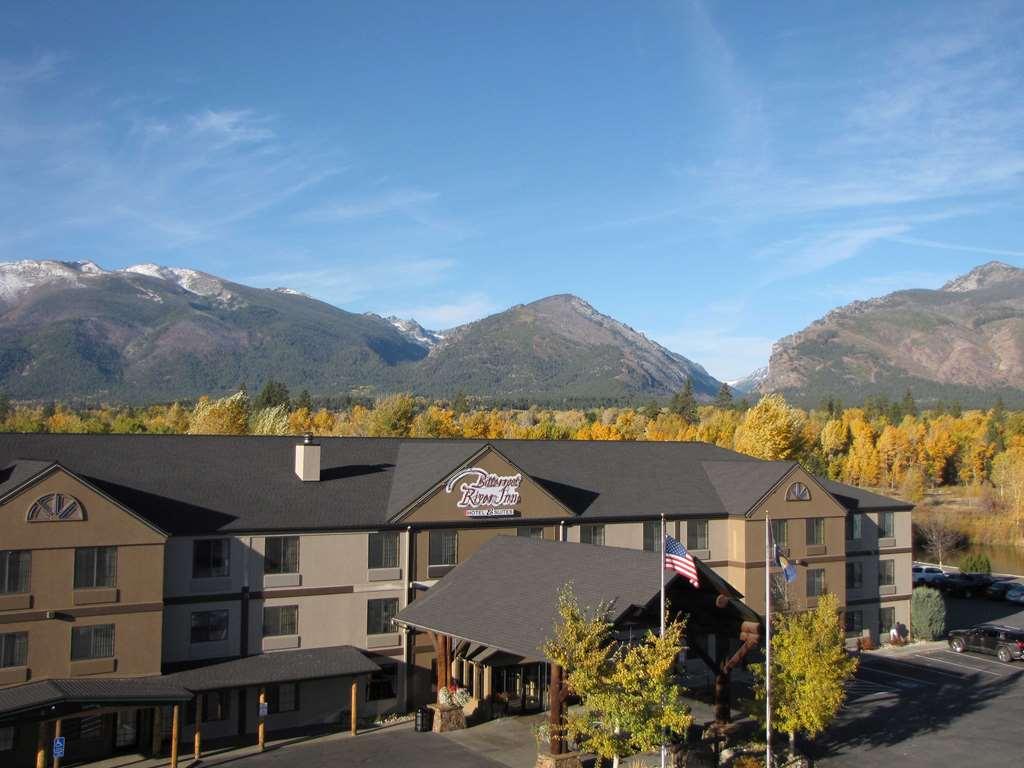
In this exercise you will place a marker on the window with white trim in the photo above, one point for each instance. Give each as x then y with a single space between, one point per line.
95 567
95 642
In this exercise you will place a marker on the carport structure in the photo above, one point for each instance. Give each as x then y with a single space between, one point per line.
264 670
498 608
51 703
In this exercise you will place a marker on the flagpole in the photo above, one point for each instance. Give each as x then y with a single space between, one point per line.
768 640
661 578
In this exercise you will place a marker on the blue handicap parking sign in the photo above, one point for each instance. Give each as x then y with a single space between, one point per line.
58 747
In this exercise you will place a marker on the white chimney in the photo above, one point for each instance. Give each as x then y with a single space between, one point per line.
307 459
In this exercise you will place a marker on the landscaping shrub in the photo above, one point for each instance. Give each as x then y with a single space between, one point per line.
975 563
928 614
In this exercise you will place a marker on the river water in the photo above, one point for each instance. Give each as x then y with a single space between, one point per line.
1004 559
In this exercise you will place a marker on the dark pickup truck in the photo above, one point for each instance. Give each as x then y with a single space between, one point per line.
965 584
1005 643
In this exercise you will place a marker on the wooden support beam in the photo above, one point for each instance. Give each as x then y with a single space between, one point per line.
197 739
41 745
355 697
557 699
261 727
157 736
175 726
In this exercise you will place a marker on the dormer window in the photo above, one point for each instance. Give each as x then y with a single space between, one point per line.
798 492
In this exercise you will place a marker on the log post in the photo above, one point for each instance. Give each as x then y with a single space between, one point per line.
197 746
56 735
556 699
41 746
355 697
175 725
261 727
157 732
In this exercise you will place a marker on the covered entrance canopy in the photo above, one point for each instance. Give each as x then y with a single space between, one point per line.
503 603
56 699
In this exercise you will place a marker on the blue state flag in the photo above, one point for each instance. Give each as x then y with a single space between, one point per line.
788 566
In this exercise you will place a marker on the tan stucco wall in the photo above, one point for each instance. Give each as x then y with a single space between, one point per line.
138 592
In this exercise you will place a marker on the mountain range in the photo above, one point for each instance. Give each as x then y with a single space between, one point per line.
963 341
73 330
76 331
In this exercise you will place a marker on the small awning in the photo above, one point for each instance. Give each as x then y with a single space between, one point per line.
49 699
277 667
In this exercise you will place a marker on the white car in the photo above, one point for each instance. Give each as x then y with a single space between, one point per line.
1016 595
927 574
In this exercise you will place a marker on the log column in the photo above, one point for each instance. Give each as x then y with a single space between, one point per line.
355 697
158 739
56 735
41 745
197 746
175 726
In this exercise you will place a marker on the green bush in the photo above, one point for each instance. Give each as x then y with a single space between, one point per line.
976 564
928 614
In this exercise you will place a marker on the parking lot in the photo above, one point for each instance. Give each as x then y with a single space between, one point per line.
932 707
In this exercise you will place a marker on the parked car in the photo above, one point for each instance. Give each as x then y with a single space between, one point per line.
965 584
997 589
927 575
1016 595
1005 643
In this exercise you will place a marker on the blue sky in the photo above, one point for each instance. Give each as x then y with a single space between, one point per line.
716 175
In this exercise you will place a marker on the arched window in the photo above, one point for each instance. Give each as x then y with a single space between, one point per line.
798 492
55 507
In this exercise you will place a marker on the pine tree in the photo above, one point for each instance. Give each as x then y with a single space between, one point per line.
684 403
273 394
304 400
724 397
907 405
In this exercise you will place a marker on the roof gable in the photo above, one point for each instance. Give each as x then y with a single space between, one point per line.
485 485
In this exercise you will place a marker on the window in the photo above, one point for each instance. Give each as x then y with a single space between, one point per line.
381 685
281 554
211 558
95 567
697 534
816 531
6 738
531 532
283 698
886 573
886 525
886 620
15 568
815 582
96 642
592 534
798 492
854 575
853 526
14 649
652 536
209 626
379 615
382 550
444 547
280 620
854 622
216 707
780 532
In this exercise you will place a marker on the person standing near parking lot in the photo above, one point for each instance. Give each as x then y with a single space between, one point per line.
894 635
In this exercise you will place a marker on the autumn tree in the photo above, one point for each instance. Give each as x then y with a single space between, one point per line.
392 416
226 416
810 669
770 430
270 421
630 699
938 535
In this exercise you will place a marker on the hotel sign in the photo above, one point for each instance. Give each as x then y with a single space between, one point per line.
485 494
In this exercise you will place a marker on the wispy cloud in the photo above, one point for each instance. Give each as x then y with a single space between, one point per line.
872 286
924 243
401 201
39 69
450 314
231 126
345 281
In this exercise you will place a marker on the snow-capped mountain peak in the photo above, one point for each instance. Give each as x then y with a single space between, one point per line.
191 280
415 332
17 277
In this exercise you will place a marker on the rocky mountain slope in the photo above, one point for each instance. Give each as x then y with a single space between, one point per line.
151 333
963 341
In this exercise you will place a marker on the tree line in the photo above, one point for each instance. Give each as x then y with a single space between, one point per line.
887 445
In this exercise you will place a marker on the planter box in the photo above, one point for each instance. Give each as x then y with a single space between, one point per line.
448 718
565 760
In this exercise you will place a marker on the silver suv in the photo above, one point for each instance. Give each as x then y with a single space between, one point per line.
928 575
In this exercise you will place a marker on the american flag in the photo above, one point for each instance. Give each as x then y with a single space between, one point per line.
679 560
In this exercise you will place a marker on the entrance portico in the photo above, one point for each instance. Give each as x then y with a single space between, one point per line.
490 617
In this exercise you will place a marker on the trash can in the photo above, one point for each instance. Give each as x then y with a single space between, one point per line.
424 720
